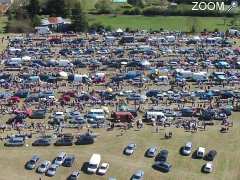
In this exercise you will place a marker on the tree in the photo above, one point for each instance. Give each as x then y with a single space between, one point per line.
79 19
139 3
33 8
69 5
36 20
55 8
103 7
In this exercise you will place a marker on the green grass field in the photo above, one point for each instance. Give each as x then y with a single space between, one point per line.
177 23
110 145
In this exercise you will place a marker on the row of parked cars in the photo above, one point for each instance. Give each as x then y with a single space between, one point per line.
161 157
200 153
48 167
65 140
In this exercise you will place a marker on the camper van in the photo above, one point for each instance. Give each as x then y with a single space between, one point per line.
94 163
154 115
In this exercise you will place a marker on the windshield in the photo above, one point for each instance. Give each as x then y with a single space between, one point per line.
42 166
59 159
52 169
92 166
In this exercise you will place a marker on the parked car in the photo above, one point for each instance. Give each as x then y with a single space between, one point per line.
162 166
208 167
138 175
31 164
94 163
15 142
187 149
84 140
129 150
151 152
200 152
64 142
69 160
211 155
162 156
102 170
60 158
52 170
74 176
43 167
42 142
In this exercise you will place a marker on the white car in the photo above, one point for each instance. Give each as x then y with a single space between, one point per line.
43 167
200 152
208 167
103 168
60 158
52 170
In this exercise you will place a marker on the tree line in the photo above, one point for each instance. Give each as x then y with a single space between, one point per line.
24 15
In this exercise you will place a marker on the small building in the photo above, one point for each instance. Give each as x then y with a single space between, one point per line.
57 24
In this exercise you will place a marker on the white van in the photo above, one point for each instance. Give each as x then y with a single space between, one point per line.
154 115
94 163
200 152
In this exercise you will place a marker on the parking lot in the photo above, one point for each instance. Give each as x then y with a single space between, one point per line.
153 90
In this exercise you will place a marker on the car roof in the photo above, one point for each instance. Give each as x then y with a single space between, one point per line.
201 149
104 164
54 165
152 149
213 152
164 151
209 164
70 156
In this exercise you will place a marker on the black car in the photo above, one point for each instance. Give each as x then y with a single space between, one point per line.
84 140
69 160
162 156
32 163
162 166
210 155
64 142
41 142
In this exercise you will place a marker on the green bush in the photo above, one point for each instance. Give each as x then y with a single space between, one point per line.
103 7
133 11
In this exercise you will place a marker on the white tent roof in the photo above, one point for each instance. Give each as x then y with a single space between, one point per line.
119 30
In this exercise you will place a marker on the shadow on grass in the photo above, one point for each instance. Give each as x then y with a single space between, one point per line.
84 167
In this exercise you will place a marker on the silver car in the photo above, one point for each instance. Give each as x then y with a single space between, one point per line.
43 167
52 170
187 149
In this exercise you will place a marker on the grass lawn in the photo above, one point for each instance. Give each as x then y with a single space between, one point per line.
179 23
3 21
110 146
